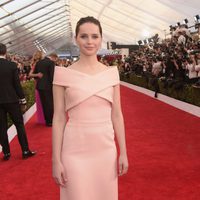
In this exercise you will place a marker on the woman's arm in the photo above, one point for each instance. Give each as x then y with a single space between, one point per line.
59 122
118 124
32 75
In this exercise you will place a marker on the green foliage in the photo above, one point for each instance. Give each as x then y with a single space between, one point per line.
29 91
187 94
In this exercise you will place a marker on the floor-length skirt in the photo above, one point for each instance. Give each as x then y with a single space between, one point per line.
40 115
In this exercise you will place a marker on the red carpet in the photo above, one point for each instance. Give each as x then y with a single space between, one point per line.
163 147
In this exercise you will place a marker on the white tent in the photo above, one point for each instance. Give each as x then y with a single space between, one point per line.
49 25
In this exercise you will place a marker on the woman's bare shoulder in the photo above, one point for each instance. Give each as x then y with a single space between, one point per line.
73 66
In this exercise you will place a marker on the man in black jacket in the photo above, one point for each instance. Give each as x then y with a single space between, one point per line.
44 85
11 98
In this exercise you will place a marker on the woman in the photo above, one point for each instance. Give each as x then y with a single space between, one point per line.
38 55
84 152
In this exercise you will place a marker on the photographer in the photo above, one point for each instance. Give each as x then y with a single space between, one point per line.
156 73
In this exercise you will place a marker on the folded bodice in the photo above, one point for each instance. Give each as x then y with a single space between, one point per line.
87 96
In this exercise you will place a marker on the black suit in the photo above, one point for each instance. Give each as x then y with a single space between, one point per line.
44 86
11 94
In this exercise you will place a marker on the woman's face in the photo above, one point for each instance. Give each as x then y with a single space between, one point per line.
89 39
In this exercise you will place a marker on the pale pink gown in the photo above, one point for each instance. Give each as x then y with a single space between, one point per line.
89 151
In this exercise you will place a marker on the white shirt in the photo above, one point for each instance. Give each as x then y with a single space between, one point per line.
191 70
181 40
156 68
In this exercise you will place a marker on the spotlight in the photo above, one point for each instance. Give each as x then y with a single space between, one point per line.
185 21
196 18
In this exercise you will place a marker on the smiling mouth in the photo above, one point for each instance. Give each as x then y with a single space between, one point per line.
89 48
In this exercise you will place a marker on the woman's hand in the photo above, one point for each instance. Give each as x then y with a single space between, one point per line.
123 165
59 174
40 75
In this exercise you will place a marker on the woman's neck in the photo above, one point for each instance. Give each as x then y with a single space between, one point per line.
88 61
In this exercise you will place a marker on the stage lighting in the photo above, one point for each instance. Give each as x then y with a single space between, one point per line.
196 18
111 45
185 21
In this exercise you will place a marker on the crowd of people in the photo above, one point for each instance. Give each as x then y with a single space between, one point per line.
25 63
176 60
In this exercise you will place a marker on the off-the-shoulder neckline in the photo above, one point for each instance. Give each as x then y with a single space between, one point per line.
83 73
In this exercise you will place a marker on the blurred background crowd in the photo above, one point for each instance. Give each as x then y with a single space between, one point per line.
175 60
